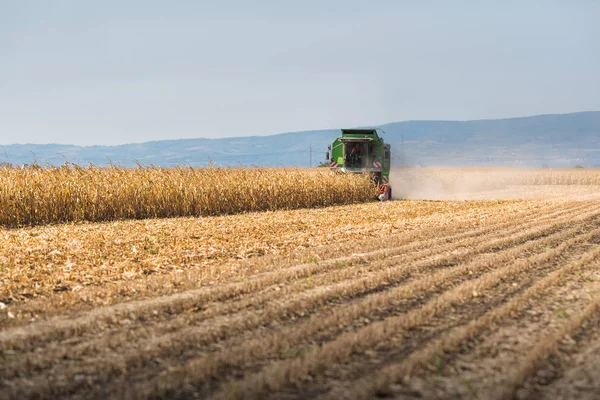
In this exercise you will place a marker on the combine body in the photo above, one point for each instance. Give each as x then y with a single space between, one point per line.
362 151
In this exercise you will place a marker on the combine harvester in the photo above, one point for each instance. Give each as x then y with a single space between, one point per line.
362 151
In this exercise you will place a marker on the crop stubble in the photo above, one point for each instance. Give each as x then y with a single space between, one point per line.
361 312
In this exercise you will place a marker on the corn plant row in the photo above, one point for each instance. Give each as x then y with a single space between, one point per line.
380 379
37 196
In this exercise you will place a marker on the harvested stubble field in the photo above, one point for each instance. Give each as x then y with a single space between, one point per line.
406 299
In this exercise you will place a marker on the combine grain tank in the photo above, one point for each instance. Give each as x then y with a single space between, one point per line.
362 151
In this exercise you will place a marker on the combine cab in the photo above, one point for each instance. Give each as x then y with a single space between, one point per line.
362 151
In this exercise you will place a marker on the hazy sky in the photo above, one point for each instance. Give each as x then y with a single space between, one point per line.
110 72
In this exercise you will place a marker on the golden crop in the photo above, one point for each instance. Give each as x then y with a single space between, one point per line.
35 196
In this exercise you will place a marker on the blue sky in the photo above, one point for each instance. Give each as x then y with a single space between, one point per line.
111 72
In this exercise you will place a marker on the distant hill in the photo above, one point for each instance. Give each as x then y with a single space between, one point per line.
555 140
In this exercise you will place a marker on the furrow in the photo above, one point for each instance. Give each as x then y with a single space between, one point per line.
62 327
279 373
544 348
270 344
196 274
379 380
183 337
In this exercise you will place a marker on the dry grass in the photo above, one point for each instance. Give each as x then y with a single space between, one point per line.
36 196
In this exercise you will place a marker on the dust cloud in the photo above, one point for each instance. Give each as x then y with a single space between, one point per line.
490 183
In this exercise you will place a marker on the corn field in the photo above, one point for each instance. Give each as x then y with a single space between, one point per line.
494 299
36 196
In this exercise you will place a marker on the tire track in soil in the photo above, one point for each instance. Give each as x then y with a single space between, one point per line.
127 367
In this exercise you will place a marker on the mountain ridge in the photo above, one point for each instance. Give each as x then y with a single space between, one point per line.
556 140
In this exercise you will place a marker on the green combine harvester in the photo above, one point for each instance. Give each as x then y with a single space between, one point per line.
362 151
